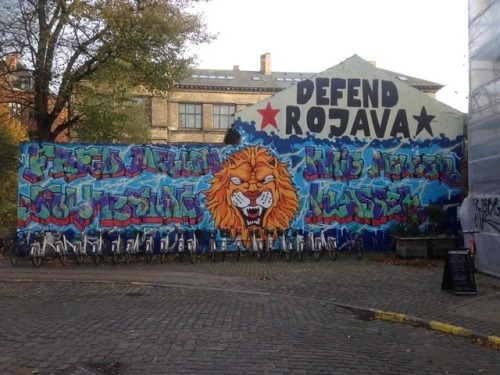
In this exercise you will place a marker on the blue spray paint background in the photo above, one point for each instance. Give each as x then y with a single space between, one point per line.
349 184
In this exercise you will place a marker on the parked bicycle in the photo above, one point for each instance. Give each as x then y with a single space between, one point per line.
268 244
298 243
313 244
238 242
212 244
149 243
133 245
47 244
192 246
165 246
117 244
20 248
7 243
285 246
328 243
256 243
354 244
224 236
73 249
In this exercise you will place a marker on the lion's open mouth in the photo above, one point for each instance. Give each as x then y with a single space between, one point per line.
253 215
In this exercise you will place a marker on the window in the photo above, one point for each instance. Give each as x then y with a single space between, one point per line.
15 110
190 116
24 83
223 116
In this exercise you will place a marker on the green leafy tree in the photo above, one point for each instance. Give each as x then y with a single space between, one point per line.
68 42
110 117
10 135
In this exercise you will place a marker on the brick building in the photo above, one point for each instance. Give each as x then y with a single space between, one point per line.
16 94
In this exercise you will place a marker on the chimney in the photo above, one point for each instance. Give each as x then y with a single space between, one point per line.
373 62
236 67
11 61
265 64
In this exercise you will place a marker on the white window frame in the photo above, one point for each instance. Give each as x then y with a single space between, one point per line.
223 116
190 115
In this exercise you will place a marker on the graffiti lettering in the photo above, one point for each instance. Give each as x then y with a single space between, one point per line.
365 123
366 205
64 206
106 162
341 92
487 212
337 165
400 166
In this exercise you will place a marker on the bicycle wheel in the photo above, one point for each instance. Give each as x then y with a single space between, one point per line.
162 256
238 254
332 250
15 254
36 259
359 248
317 255
78 253
127 257
288 255
114 253
299 255
308 248
61 253
192 256
149 253
259 255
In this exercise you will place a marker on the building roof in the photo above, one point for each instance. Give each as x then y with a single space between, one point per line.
247 80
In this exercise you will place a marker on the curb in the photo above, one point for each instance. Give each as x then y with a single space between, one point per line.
492 342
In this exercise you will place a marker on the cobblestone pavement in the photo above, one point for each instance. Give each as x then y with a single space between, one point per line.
243 317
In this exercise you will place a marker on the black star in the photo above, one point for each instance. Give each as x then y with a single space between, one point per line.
424 122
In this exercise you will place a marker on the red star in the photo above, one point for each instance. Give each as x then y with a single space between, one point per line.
268 116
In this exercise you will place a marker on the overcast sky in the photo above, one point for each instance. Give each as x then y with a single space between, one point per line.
427 39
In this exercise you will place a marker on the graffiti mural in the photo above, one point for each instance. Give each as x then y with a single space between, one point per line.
350 149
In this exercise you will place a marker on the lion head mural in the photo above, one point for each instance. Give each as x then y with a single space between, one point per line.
253 189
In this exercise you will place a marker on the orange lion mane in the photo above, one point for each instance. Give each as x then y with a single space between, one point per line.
253 189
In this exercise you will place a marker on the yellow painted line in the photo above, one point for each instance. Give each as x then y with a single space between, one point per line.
494 339
390 316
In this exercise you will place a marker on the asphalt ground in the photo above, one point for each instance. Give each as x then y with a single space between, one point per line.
257 317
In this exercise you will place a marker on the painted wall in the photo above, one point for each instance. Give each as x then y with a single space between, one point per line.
350 149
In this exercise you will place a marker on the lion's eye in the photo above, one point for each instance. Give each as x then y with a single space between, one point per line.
268 178
236 180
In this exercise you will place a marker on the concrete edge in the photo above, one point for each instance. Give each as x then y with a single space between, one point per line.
491 342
